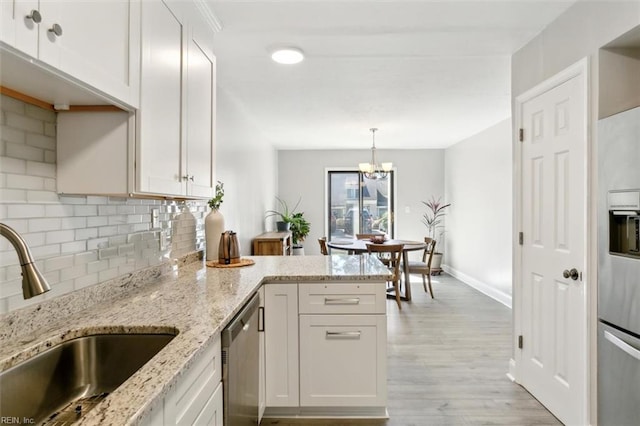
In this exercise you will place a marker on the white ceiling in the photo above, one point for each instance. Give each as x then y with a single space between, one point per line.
426 73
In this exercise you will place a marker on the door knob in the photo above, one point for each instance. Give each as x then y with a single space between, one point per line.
573 273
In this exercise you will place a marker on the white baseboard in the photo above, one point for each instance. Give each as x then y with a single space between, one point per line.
484 288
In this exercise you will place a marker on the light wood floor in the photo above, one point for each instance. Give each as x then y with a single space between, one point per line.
447 361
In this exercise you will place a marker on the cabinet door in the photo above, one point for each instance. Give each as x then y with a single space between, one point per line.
200 109
343 360
18 30
159 137
262 395
281 345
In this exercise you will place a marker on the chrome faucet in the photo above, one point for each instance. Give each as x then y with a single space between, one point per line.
33 283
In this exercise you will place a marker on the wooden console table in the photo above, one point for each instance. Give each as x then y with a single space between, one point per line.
272 243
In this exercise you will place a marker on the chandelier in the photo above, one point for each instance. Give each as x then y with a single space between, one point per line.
373 170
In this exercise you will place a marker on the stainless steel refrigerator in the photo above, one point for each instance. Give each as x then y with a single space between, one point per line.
619 269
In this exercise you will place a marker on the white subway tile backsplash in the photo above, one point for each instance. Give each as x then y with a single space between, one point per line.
73 272
97 266
41 141
22 211
50 184
42 197
93 199
49 157
97 243
22 122
44 224
24 182
73 247
12 105
77 241
85 210
73 199
24 152
45 251
39 113
86 280
95 221
85 257
106 210
73 222
38 168
58 210
13 195
13 165
10 135
50 129
57 263
108 274
55 237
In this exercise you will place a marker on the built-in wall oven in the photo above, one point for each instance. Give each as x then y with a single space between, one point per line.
619 269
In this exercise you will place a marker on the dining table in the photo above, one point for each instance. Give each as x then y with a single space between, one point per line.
354 246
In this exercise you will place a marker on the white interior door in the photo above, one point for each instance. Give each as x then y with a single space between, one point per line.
552 362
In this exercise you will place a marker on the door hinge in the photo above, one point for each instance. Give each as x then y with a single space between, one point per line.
521 135
520 341
520 238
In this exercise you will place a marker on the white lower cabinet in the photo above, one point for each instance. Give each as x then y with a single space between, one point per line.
281 345
343 360
325 349
196 399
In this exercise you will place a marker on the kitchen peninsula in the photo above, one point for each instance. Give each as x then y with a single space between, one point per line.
196 302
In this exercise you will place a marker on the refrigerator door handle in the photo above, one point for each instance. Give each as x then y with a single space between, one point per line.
622 345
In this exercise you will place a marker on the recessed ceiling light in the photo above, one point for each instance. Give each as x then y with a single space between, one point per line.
288 55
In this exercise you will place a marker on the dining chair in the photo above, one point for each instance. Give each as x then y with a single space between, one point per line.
391 255
323 245
424 267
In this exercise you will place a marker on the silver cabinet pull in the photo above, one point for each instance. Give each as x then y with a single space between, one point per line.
188 177
622 345
343 334
35 16
342 301
56 29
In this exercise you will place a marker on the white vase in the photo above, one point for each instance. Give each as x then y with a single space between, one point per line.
213 229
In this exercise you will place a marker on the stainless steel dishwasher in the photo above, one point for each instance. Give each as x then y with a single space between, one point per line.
240 347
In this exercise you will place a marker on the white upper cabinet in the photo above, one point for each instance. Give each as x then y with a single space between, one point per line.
168 144
177 113
93 43
160 114
200 110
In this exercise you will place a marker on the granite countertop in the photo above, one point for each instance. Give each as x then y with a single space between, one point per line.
194 300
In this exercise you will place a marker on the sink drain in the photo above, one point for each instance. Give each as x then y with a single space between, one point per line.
74 411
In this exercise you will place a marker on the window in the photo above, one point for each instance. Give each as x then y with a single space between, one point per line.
357 205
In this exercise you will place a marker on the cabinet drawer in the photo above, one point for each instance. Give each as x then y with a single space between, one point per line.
343 360
342 298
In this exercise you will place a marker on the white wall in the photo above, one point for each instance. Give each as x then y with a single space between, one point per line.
419 175
247 165
478 175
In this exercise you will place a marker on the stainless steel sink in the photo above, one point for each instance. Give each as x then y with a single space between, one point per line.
60 385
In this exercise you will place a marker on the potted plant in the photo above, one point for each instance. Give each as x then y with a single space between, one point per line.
284 213
300 228
432 219
214 223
